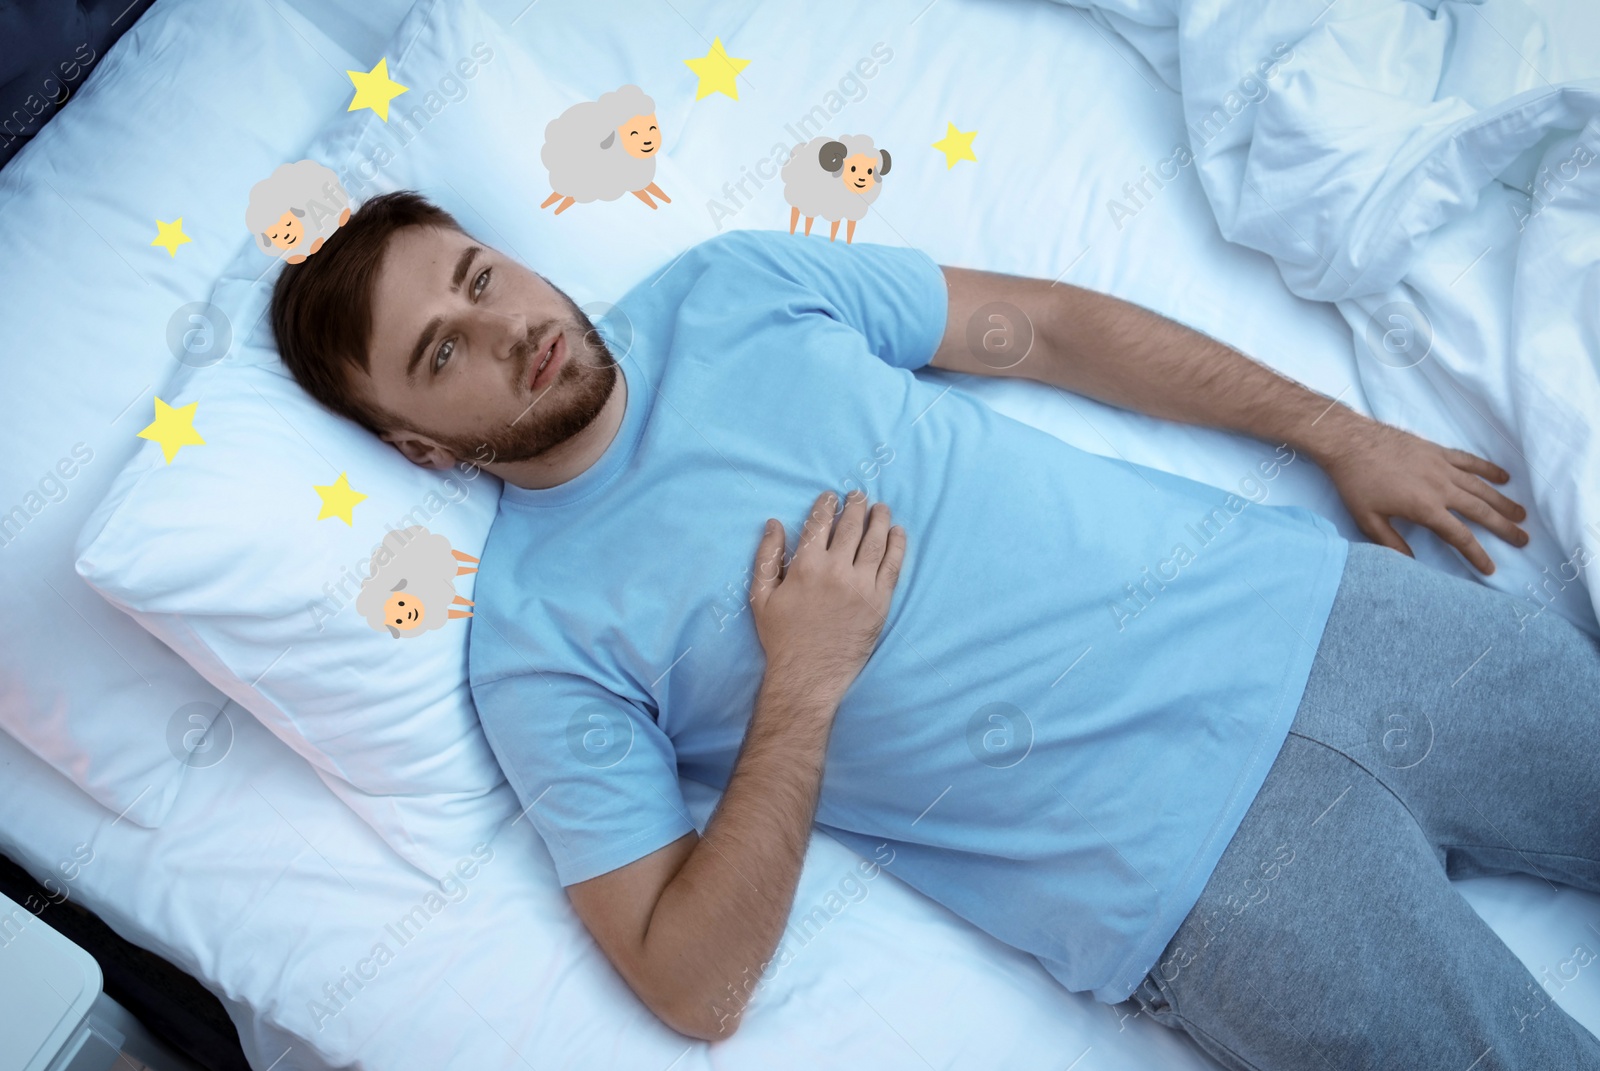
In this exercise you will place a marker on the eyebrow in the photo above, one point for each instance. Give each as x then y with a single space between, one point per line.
463 265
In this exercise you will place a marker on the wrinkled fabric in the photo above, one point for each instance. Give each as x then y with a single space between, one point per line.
1433 169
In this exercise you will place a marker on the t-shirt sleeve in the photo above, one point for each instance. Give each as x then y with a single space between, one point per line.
595 773
896 296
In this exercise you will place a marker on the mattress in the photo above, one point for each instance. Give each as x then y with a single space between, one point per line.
276 896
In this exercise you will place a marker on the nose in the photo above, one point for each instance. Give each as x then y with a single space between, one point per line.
506 331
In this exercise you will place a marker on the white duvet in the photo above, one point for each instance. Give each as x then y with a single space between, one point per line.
1433 170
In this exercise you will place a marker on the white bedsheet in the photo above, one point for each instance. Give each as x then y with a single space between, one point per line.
262 884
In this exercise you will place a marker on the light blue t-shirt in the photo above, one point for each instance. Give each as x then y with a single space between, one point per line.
1088 665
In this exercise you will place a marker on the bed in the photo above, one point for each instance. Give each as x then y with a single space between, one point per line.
258 879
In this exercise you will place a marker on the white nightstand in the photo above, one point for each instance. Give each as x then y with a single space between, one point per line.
53 1016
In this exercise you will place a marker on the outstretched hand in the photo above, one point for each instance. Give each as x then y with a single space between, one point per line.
1383 472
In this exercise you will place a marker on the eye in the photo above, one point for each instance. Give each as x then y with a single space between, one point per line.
652 126
442 354
446 348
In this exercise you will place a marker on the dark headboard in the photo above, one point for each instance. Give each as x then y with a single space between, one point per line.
47 49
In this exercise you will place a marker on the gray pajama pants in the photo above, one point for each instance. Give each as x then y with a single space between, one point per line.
1439 736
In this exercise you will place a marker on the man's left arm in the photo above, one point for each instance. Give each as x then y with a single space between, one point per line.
1115 351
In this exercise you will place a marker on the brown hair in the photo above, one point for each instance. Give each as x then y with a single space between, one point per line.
322 307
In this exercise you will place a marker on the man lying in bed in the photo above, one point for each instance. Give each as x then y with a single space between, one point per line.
1178 743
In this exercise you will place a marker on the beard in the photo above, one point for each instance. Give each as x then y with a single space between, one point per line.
561 409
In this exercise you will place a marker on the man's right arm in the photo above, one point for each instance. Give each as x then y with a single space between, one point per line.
686 922
703 914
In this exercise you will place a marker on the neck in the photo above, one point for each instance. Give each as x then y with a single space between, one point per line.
570 459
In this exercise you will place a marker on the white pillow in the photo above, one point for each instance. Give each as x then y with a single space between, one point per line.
221 554
155 132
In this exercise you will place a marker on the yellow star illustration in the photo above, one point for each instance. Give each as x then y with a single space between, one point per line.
375 89
718 72
173 428
956 145
338 499
171 235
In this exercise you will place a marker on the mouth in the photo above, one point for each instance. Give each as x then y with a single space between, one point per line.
550 361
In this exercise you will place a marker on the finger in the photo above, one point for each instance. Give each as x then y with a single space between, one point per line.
875 538
814 532
847 535
1458 535
1381 531
889 568
1507 507
769 564
1476 509
1473 463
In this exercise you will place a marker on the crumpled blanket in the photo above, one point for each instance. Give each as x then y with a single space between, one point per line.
1433 169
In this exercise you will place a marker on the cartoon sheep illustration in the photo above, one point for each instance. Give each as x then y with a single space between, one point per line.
295 209
411 588
601 149
835 178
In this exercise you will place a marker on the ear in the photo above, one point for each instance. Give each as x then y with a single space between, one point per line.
831 157
420 452
884 170
610 140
